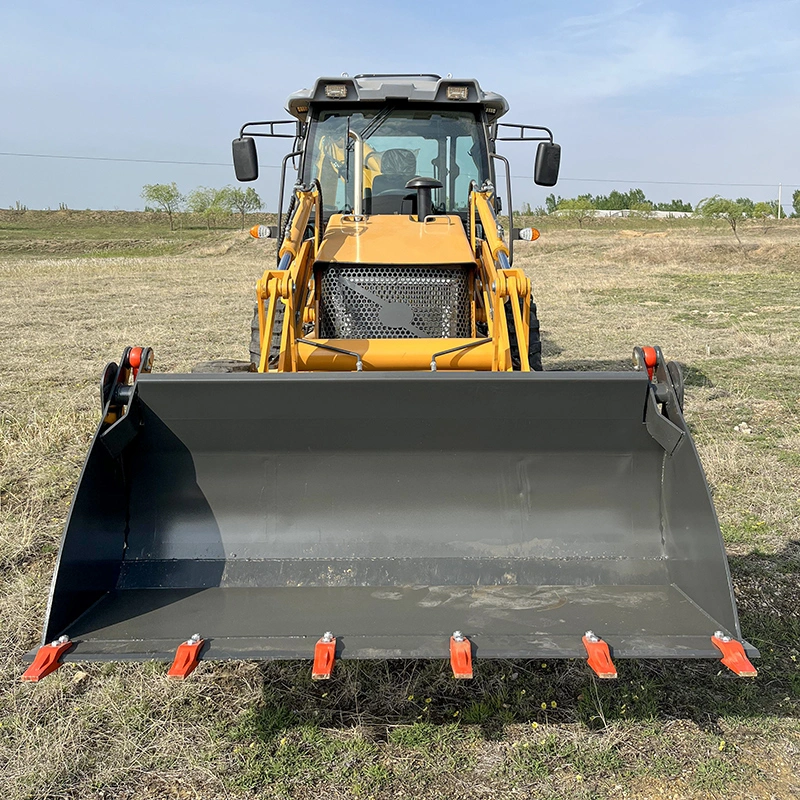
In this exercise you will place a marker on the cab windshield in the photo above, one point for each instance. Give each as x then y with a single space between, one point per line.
399 144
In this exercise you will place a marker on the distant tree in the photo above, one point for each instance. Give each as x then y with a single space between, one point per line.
633 199
748 206
642 208
674 205
765 211
579 208
551 203
637 198
244 201
796 203
211 203
717 207
164 196
616 200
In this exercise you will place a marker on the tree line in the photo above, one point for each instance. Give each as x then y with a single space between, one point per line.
209 202
582 206
633 200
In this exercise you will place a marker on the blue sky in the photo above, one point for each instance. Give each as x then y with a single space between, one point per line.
635 91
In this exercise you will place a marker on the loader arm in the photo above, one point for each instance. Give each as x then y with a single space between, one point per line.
492 283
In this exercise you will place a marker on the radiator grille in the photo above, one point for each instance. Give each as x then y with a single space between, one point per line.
366 301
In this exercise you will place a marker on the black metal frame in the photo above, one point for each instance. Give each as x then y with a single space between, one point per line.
522 129
272 124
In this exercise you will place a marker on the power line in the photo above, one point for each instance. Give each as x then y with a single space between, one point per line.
275 166
129 160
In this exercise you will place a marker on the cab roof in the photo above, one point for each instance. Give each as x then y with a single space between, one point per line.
386 87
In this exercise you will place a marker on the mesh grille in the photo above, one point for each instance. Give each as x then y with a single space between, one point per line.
393 302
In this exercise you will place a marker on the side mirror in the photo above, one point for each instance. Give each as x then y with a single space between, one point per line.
245 159
548 160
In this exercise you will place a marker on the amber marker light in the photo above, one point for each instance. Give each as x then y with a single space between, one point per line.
529 234
261 232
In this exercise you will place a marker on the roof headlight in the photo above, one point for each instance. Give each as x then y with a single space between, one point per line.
458 92
336 91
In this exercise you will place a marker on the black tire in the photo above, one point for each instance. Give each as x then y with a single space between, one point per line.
534 341
275 345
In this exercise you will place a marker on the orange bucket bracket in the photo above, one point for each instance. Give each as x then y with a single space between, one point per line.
324 657
47 659
186 657
461 656
733 655
599 656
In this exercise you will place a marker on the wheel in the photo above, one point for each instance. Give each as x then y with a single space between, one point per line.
534 341
275 345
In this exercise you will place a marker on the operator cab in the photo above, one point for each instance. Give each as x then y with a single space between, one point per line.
410 145
408 127
400 143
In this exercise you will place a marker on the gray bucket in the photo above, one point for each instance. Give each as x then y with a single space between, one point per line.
392 509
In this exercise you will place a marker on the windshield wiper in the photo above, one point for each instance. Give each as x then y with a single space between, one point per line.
377 121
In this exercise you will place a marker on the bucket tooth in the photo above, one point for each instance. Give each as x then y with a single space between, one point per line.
47 659
324 657
187 657
461 656
599 656
733 655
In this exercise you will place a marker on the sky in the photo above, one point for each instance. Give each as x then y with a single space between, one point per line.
676 98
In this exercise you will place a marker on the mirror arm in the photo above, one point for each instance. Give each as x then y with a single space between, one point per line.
272 125
522 137
510 206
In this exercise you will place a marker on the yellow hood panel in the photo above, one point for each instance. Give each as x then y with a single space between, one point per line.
395 239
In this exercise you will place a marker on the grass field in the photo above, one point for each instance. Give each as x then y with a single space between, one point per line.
75 293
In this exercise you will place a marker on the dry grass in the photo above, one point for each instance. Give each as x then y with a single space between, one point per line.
391 729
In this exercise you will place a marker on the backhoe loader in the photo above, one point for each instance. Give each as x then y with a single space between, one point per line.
397 477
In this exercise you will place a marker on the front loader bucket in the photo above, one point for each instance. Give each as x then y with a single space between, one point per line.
523 509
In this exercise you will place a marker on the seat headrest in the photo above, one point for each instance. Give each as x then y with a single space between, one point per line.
398 162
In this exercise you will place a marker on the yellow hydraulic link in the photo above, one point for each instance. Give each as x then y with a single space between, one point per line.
274 286
518 287
489 223
307 201
291 287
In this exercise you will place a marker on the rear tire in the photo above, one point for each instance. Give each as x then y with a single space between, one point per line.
534 341
275 344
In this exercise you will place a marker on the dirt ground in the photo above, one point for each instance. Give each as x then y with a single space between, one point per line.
731 315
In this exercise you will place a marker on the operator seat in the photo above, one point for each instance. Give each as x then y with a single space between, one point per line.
389 193
398 167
